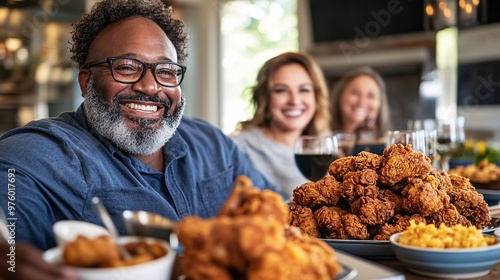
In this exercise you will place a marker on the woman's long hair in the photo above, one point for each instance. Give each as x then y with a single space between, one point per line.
261 93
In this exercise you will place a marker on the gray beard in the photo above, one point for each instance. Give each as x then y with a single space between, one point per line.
109 123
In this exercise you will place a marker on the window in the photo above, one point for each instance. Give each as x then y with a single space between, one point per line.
252 31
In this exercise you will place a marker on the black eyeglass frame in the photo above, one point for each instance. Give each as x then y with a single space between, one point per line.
145 66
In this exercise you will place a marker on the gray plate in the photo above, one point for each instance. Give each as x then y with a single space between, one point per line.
492 197
381 249
368 249
346 273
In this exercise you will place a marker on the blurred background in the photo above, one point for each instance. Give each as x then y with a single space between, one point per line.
438 57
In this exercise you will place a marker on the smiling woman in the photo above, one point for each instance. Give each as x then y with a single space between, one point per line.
291 99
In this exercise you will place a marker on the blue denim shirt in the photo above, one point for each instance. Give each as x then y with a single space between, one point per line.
60 164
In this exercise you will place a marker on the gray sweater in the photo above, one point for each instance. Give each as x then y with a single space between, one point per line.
275 161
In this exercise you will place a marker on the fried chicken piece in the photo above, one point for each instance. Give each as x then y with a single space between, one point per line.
372 211
352 192
201 266
303 218
324 192
362 176
367 160
459 183
448 215
246 199
341 166
422 197
259 235
397 224
397 199
252 247
91 252
195 235
444 180
230 242
330 222
402 162
340 224
468 201
359 183
302 257
354 227
249 240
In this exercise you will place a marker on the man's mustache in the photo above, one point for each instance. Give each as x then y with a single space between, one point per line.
148 98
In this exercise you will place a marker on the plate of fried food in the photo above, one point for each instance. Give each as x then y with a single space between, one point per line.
485 177
368 197
250 239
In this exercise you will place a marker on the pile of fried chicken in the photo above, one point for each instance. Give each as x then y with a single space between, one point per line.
369 196
250 239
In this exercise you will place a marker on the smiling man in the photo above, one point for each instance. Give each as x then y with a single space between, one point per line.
128 142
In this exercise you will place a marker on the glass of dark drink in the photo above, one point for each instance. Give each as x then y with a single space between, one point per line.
314 154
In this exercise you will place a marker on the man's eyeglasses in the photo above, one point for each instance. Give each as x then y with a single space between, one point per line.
131 70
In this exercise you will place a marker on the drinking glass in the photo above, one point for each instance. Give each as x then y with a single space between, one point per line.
450 139
421 124
416 138
431 142
314 154
346 142
429 126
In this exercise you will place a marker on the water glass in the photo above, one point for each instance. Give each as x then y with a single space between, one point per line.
450 139
416 138
346 142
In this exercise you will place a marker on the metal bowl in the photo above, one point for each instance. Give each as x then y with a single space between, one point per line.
143 223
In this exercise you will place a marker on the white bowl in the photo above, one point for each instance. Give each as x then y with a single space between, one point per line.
158 269
67 230
446 263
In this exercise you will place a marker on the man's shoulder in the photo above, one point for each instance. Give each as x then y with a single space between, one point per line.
195 125
54 133
197 132
195 122
64 124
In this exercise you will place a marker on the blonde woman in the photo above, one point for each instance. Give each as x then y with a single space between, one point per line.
359 104
290 100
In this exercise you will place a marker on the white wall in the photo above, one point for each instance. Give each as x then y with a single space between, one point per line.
202 82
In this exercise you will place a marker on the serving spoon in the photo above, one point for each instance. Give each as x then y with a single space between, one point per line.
143 223
106 219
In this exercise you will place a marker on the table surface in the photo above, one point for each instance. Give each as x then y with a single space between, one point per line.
409 275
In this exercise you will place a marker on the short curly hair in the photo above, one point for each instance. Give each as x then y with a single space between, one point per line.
108 11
